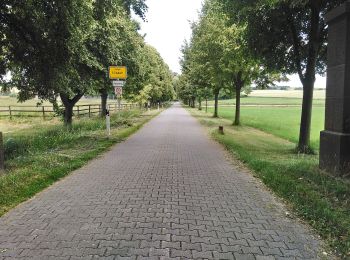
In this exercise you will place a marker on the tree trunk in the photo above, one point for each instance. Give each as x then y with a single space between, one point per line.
238 105
68 108
309 80
199 103
193 102
206 105
104 96
306 114
216 96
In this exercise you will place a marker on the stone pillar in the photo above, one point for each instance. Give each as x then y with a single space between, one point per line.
335 139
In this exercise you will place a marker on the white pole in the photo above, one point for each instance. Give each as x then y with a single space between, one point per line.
108 122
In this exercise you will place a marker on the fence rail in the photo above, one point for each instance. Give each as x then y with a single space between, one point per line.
48 111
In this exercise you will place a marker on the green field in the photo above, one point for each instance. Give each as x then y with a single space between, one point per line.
280 121
8 125
267 101
12 101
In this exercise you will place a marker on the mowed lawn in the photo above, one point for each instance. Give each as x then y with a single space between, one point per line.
280 121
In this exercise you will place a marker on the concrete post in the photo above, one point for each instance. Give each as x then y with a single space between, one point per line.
335 139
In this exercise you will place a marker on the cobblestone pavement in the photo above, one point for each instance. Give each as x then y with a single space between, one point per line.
166 193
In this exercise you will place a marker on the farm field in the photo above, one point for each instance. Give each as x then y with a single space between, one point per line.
250 100
8 125
318 94
280 121
12 101
275 97
277 112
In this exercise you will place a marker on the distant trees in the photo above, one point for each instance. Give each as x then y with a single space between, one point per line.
63 49
218 58
239 42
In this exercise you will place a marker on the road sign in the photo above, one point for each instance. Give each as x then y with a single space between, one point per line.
118 72
118 91
118 83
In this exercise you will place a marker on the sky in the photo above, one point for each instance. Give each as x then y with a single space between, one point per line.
168 25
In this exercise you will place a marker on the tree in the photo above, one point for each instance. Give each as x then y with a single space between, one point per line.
46 49
62 48
289 36
218 56
116 40
151 76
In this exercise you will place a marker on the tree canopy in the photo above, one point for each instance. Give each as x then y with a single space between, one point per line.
218 57
288 36
63 49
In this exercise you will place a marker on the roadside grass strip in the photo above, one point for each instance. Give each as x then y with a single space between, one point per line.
315 196
37 157
282 121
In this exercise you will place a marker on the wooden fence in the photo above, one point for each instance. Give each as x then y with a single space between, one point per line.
48 111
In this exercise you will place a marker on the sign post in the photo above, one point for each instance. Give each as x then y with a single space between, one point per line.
118 75
118 92
118 72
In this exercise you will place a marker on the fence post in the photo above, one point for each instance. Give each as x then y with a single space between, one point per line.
78 112
43 109
10 112
2 154
89 110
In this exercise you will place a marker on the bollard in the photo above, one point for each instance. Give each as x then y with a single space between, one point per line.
221 130
2 154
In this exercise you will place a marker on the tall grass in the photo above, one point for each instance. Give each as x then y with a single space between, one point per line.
37 157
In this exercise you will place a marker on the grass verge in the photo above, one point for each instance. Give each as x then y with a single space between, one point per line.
283 121
320 199
39 156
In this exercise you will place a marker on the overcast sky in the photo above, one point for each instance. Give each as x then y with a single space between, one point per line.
168 25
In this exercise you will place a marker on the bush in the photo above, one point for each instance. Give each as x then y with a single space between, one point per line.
14 147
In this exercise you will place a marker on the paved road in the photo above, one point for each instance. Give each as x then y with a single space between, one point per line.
167 192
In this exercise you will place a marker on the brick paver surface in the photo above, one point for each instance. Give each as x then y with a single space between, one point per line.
166 193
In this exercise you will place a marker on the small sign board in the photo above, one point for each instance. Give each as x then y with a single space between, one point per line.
118 91
117 72
118 83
